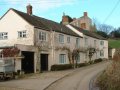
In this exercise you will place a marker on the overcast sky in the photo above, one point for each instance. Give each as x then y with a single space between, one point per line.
104 11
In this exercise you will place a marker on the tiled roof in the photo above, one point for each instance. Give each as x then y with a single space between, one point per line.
88 33
45 24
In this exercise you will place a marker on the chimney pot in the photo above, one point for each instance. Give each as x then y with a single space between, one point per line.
29 9
85 14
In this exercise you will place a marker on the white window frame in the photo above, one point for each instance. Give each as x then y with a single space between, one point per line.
78 42
62 58
22 34
61 38
42 36
102 53
95 43
3 35
68 39
102 43
78 58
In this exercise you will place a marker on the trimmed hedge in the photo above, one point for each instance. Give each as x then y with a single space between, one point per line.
82 64
91 62
58 67
98 60
61 67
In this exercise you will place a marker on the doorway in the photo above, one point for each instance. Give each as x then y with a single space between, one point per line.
44 62
28 62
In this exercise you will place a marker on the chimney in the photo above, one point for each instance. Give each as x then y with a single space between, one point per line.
85 14
66 19
29 9
74 19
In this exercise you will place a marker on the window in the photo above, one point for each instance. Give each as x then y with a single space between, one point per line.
68 39
101 42
21 34
78 42
3 35
62 58
83 25
61 38
101 53
77 58
95 43
42 36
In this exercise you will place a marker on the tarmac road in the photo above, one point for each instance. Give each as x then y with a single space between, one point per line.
74 79
80 79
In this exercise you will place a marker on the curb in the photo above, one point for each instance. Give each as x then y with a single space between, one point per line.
57 80
92 85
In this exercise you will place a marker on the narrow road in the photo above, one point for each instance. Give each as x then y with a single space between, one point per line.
80 79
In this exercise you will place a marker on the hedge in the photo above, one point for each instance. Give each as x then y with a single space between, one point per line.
98 60
82 64
61 67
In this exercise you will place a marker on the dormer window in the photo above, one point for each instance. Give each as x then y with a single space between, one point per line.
22 34
3 35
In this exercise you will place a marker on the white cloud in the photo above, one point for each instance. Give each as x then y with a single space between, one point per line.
41 4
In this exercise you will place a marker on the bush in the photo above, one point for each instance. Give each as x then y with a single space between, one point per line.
98 60
110 79
91 62
61 67
82 64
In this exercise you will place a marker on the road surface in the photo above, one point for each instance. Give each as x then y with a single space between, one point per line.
80 79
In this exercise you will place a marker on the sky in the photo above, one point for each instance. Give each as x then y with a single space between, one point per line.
101 11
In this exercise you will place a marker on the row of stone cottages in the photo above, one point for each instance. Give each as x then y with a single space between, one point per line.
38 43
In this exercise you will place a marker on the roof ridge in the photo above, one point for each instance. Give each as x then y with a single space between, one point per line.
91 34
44 24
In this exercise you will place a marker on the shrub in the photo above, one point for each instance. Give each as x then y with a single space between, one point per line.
82 64
110 79
91 62
61 67
98 60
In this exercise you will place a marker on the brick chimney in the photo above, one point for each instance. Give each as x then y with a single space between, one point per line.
74 19
85 14
66 19
29 9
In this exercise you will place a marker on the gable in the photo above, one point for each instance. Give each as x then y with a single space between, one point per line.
10 17
12 23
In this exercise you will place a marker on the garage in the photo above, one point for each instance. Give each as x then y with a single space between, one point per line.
28 62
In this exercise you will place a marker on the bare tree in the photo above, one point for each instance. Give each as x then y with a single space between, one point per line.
102 27
105 28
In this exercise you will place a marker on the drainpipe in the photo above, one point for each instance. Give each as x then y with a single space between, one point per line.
53 44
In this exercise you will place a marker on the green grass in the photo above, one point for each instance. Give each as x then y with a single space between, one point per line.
114 43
